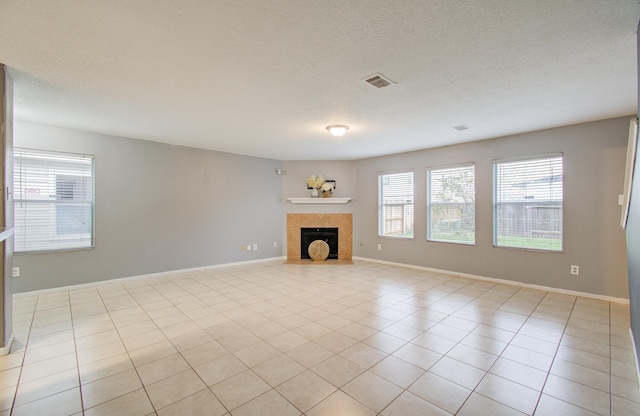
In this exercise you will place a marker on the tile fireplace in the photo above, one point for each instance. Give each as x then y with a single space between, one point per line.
296 222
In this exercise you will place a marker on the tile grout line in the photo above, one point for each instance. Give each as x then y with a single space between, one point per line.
109 313
242 291
509 343
22 365
457 343
75 347
546 378
144 387
24 357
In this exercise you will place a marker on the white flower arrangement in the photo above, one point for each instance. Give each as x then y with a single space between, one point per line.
315 182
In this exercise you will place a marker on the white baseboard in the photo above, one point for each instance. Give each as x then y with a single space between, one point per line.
503 281
6 349
635 354
139 277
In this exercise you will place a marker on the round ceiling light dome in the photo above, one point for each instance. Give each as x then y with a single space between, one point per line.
338 130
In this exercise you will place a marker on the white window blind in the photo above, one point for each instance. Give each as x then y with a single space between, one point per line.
528 197
395 206
451 196
53 201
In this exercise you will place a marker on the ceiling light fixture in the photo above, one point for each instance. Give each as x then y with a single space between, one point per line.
338 130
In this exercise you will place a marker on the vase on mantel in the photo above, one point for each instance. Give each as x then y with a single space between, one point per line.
314 192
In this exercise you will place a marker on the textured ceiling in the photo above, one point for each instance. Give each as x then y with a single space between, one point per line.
265 78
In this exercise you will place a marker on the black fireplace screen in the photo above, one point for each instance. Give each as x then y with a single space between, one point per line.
309 235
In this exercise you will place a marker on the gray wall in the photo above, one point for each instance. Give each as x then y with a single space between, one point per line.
594 159
159 208
294 176
162 208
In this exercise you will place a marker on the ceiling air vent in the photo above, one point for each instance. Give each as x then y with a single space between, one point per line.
461 127
378 81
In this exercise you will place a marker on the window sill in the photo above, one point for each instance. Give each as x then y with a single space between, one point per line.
5 233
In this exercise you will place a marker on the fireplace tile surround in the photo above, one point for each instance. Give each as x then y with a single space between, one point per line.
344 223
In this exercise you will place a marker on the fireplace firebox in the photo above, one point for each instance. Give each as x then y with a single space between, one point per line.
309 235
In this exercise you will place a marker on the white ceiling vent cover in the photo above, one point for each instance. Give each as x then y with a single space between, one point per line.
378 81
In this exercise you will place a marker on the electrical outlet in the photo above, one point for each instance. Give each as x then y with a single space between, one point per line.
244 248
379 246
248 247
275 244
575 269
15 272
255 247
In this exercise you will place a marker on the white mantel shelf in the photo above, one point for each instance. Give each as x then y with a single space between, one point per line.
319 200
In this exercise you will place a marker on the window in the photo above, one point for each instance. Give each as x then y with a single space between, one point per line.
528 203
395 206
451 205
53 201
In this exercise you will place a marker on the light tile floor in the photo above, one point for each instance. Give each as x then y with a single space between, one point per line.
275 339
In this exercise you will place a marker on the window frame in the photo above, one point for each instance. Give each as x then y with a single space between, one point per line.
429 205
495 202
381 219
53 177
